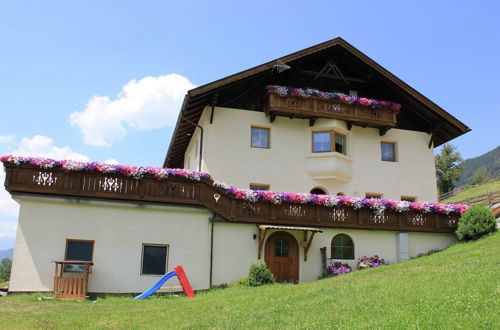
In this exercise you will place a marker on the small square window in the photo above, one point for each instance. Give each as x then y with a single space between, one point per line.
258 186
373 195
154 259
388 150
260 137
408 198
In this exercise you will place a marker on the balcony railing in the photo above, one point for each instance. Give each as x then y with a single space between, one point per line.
32 179
317 108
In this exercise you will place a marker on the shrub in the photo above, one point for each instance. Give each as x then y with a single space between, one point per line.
242 281
371 262
5 267
474 223
259 274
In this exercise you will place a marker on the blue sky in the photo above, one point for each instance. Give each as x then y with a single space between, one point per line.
60 58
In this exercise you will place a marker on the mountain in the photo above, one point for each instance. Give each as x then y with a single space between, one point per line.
490 160
6 254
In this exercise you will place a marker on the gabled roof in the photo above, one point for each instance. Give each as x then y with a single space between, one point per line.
419 113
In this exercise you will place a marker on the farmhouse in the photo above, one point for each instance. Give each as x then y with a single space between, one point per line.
350 144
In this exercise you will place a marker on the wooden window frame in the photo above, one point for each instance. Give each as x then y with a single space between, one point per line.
261 185
166 257
373 195
333 134
64 269
395 155
332 254
78 240
268 129
408 198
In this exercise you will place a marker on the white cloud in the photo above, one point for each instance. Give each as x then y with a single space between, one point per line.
5 139
111 161
37 146
43 146
147 104
7 205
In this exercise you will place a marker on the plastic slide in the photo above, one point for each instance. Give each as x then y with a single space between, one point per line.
181 275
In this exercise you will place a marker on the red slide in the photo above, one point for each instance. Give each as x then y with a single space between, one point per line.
186 286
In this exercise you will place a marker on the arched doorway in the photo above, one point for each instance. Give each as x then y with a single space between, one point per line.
282 257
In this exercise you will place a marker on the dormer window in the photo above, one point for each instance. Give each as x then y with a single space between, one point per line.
260 137
327 141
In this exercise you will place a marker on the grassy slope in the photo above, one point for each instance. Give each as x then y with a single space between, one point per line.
456 288
477 191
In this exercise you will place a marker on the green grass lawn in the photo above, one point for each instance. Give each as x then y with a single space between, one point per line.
455 288
4 284
477 191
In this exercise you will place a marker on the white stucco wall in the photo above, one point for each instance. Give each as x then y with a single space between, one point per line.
120 229
227 155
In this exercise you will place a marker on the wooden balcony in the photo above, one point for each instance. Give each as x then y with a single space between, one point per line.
33 180
296 106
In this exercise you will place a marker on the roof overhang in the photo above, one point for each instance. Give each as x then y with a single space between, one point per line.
441 125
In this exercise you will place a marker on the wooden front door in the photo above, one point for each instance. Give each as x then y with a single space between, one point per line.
282 257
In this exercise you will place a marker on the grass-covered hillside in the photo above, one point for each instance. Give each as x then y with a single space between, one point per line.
476 191
456 288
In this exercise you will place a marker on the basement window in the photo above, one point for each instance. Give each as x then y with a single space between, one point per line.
259 186
154 259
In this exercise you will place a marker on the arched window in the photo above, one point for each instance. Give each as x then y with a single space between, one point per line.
318 191
342 247
340 193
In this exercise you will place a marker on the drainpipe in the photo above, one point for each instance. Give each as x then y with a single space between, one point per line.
212 219
201 139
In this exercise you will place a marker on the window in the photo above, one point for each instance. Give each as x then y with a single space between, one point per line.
258 186
281 248
340 193
327 141
79 250
373 195
342 247
388 150
409 198
260 137
154 259
318 191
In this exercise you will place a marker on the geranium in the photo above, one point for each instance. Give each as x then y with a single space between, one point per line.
348 99
378 206
370 262
136 172
338 268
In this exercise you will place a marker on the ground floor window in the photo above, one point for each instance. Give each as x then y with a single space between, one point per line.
154 259
79 250
342 247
